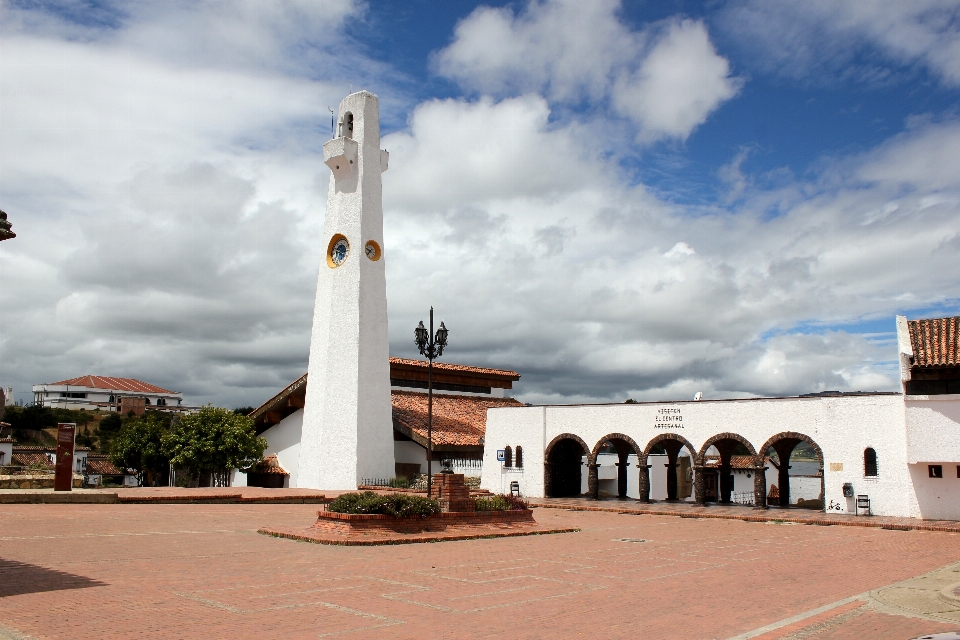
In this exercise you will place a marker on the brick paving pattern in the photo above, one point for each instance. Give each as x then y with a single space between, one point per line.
745 513
202 571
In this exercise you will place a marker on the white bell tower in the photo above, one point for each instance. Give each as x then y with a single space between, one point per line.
347 422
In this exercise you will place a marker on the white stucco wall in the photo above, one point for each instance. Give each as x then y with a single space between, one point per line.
842 426
406 451
283 440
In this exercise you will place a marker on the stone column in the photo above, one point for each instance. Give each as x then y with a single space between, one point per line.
622 467
726 482
593 480
760 487
644 481
699 486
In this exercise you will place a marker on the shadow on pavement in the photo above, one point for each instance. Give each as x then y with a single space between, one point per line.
19 578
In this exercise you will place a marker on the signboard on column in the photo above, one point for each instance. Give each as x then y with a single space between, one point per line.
66 435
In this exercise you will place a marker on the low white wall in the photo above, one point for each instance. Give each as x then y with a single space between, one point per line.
283 439
409 452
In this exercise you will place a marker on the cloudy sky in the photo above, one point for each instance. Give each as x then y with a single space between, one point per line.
616 199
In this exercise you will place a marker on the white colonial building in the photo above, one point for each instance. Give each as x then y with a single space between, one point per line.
105 393
895 454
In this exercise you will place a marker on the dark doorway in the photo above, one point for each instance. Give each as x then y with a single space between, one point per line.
711 486
566 467
717 464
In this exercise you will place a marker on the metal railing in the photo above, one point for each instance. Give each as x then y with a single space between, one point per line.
744 497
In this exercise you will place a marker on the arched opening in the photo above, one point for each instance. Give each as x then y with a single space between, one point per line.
519 457
870 467
727 463
507 456
346 125
612 464
798 462
563 472
668 469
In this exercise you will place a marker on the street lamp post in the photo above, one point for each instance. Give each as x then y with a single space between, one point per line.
431 346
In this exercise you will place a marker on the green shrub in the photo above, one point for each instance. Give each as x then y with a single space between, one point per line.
399 483
500 503
398 506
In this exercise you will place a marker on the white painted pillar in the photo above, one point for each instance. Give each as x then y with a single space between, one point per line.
347 423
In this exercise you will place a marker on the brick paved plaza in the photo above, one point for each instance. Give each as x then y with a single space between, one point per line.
202 571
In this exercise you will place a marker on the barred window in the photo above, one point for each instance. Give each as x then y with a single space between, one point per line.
519 457
870 468
507 456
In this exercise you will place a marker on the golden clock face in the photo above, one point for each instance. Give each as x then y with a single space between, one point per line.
337 251
372 249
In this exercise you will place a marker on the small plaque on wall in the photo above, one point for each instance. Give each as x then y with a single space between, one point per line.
836 466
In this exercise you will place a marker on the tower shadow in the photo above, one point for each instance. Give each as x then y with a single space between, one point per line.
19 578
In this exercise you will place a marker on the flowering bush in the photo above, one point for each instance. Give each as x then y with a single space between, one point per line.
396 505
500 503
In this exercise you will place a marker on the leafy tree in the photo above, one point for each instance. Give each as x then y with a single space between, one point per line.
108 428
139 445
34 417
214 441
244 411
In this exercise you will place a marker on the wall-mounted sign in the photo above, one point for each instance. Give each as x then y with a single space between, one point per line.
501 455
836 466
668 418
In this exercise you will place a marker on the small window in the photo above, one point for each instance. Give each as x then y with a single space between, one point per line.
346 126
507 456
870 462
146 401
161 402
519 457
935 470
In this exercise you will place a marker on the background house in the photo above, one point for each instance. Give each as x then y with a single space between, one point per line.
107 394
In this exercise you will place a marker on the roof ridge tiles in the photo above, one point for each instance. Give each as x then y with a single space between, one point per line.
112 384
935 341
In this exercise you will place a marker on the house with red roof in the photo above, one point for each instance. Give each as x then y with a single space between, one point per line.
106 393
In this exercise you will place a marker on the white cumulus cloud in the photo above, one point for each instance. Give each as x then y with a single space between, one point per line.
666 79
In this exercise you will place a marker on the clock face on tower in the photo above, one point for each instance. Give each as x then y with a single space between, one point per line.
372 250
338 251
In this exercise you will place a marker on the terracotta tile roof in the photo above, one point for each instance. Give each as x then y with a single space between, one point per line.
936 342
457 420
31 449
270 464
101 466
275 400
27 458
112 384
736 462
462 368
